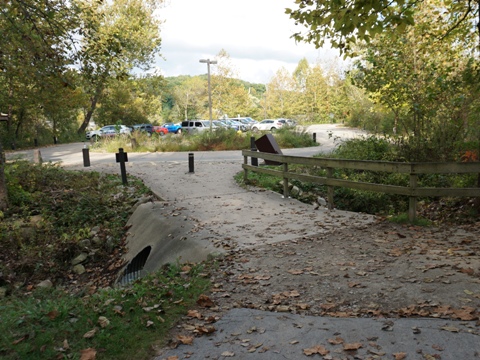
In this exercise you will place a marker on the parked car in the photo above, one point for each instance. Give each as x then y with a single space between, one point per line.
268 125
288 122
193 126
233 124
108 131
173 128
148 128
160 130
247 121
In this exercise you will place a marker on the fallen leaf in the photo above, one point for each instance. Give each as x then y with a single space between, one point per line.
204 301
90 334
450 328
318 349
185 340
172 357
53 314
103 321
400 356
194 314
352 346
228 354
336 341
150 323
295 271
437 347
20 340
88 354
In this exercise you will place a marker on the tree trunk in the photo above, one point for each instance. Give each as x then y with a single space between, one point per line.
3 184
88 116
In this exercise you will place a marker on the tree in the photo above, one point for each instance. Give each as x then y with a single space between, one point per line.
342 23
422 81
189 96
118 36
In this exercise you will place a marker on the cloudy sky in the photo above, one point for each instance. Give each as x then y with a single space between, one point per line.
255 33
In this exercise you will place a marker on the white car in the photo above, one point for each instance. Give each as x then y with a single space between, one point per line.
268 125
107 131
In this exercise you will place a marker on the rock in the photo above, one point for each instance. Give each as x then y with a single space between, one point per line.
45 284
142 200
94 231
79 259
316 206
85 243
321 201
97 241
295 191
79 269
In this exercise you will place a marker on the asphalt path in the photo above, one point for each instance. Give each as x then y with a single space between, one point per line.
327 136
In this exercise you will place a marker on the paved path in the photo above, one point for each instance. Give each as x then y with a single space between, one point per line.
206 210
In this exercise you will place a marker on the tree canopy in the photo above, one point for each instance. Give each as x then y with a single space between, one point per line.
344 23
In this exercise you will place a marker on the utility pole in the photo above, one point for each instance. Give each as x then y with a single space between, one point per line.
208 62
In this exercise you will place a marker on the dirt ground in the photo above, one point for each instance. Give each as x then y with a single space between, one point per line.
376 270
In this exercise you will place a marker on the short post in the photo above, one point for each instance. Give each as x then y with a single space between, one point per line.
253 147
412 199
12 145
122 158
330 189
190 163
35 142
285 181
55 140
245 171
314 137
86 155
37 156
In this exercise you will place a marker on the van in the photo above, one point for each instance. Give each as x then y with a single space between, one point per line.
193 126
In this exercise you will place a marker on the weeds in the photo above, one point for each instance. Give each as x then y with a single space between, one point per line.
120 323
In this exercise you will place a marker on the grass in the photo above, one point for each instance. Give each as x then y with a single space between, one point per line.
123 323
49 222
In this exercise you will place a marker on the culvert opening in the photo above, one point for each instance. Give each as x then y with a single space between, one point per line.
133 271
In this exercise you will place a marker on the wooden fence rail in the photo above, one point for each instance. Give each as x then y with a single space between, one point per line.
413 191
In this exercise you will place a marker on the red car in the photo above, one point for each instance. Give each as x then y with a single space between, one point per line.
160 130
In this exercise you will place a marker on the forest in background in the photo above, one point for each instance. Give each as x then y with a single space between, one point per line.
68 66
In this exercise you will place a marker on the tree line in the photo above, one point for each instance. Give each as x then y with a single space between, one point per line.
414 73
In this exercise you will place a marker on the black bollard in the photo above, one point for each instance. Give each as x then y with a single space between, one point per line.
55 140
122 158
315 137
35 141
86 156
253 147
13 146
190 163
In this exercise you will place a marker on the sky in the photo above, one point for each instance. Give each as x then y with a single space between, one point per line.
255 33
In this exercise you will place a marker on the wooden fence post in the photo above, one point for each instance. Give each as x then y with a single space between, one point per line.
412 200
330 189
285 180
245 171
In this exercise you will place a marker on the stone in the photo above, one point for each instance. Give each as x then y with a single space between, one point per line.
97 241
85 243
79 259
45 284
79 269
94 231
321 201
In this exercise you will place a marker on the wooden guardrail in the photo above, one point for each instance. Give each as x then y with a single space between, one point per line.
413 191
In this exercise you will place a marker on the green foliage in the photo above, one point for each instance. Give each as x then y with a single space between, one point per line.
49 210
51 323
344 24
378 149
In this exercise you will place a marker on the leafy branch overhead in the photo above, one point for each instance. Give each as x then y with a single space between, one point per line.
343 23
